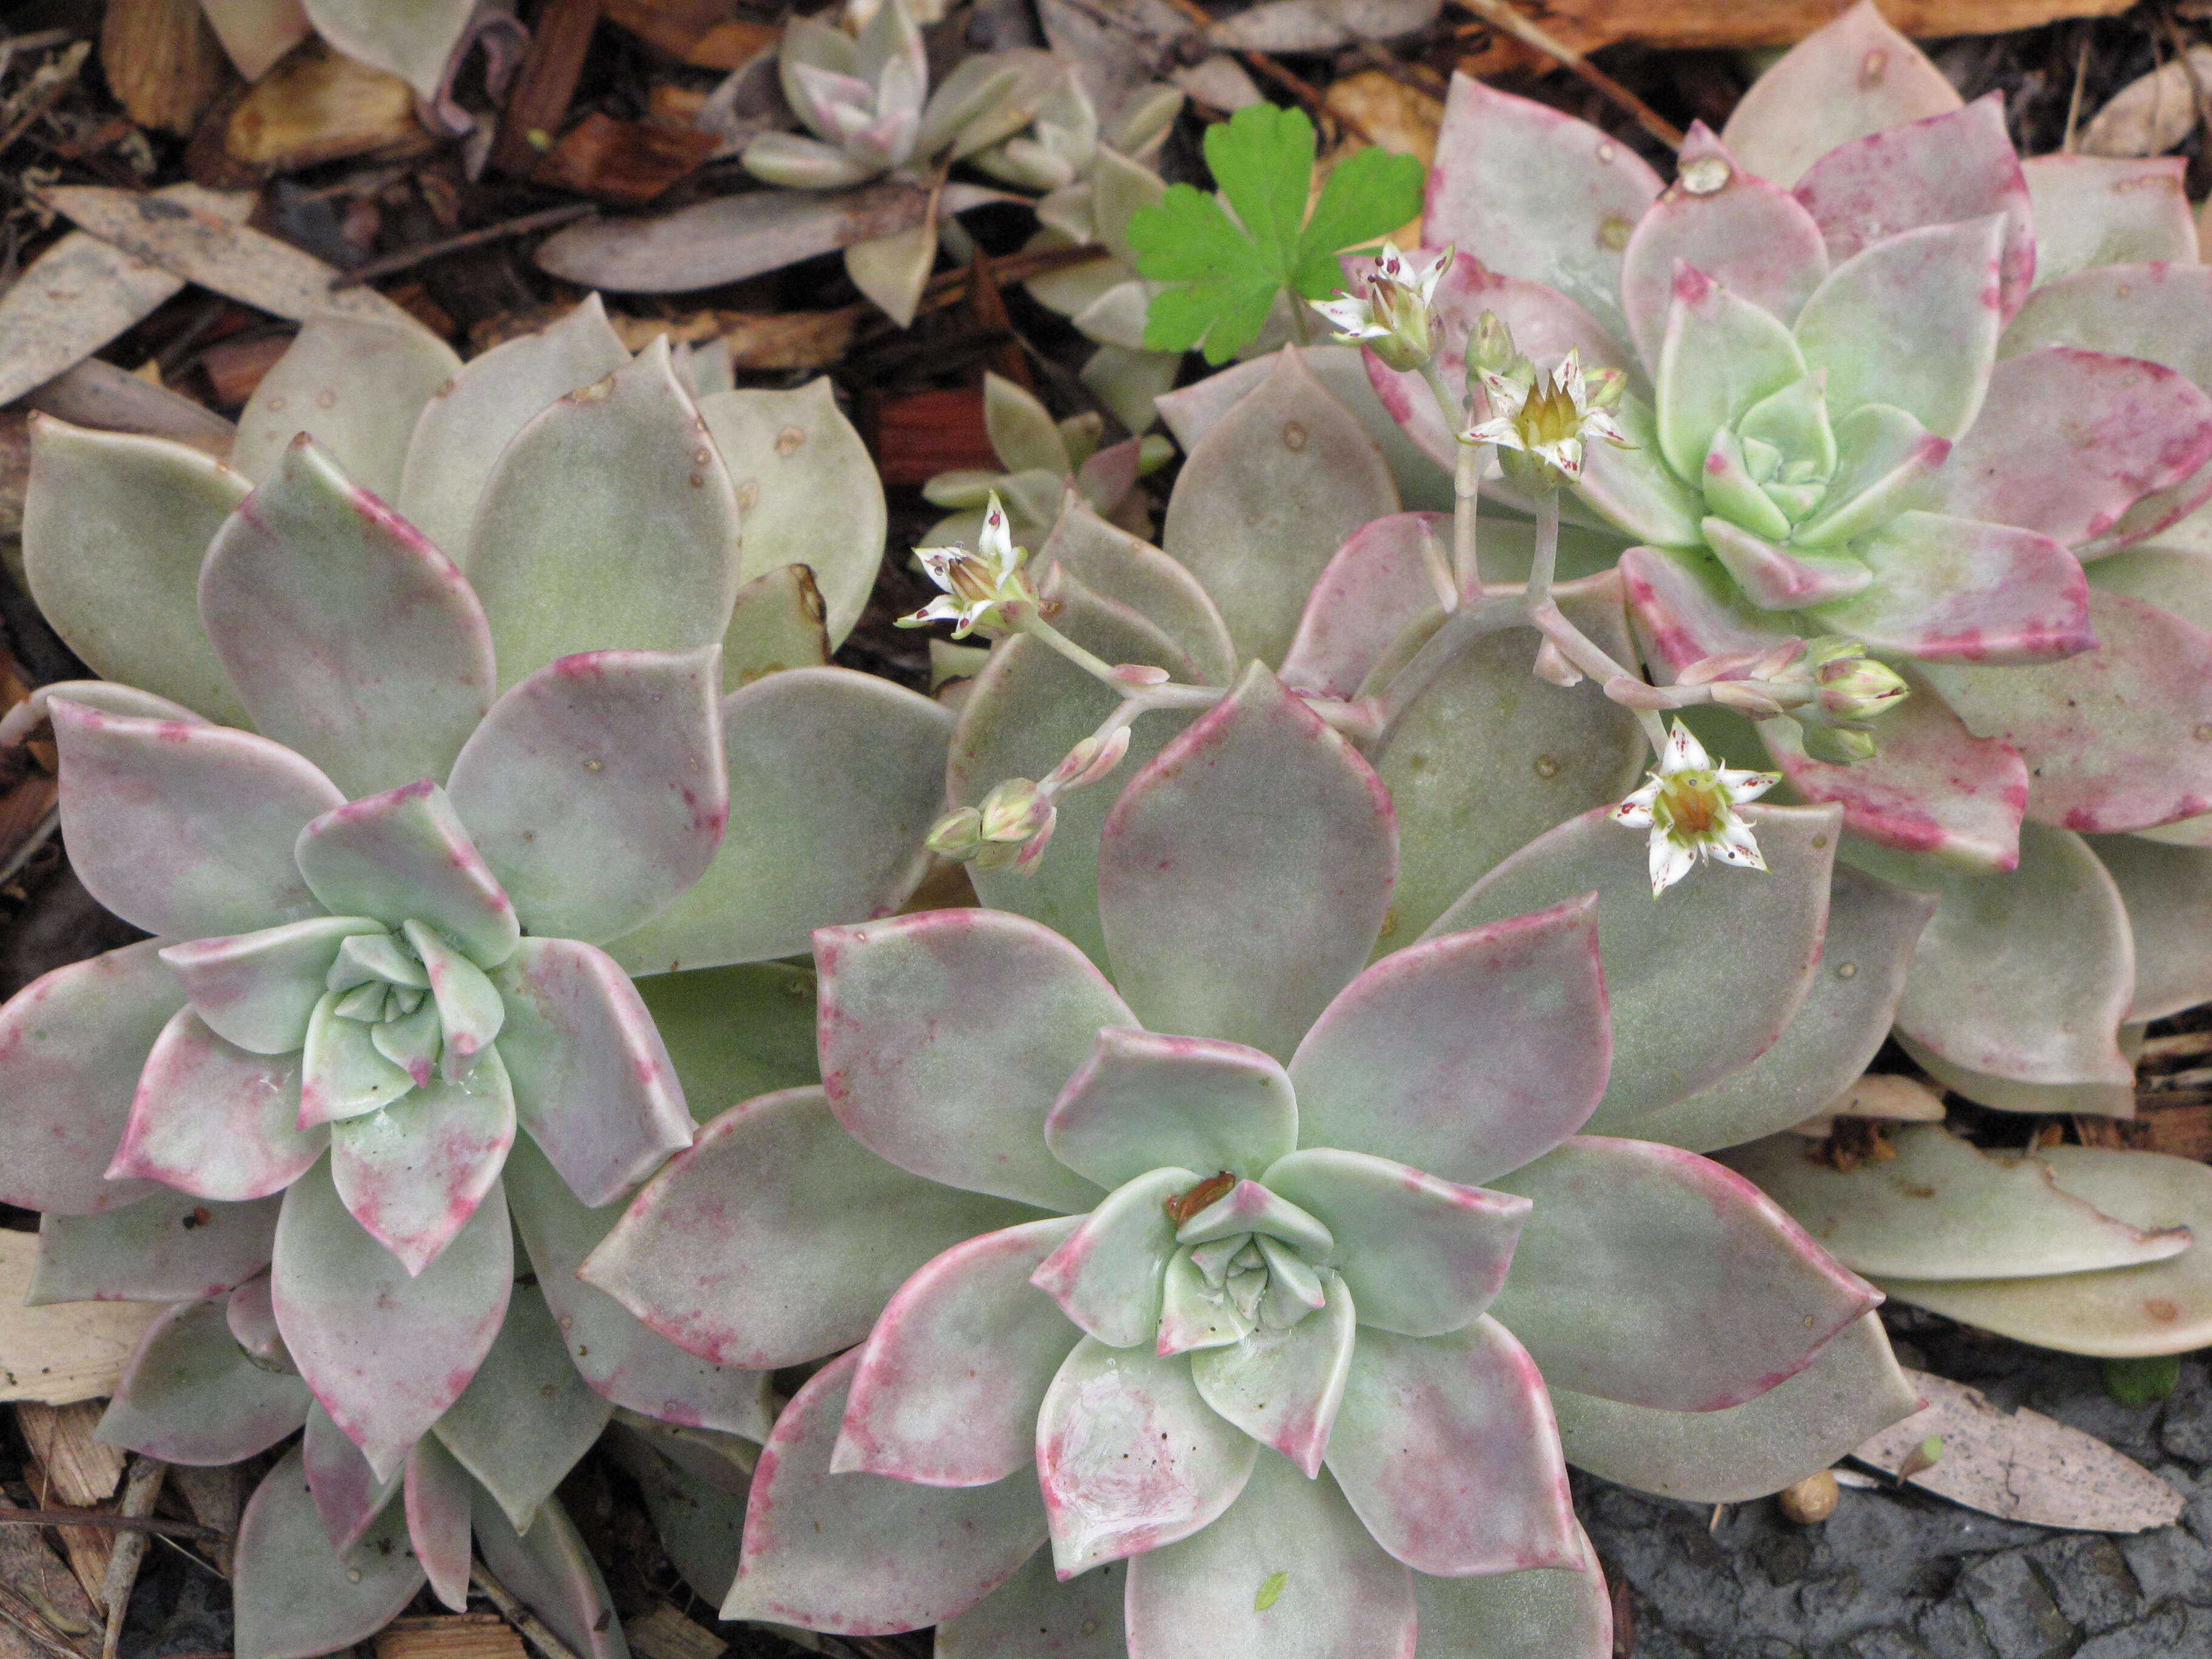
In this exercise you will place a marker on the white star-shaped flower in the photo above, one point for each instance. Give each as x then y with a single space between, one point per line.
1396 318
983 588
1547 418
1689 806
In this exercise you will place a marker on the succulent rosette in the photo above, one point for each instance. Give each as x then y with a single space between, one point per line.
396 923
1237 1268
1890 383
1044 461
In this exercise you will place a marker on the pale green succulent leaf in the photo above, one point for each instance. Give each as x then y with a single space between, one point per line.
797 163
552 1573
404 855
214 1120
2167 893
1021 429
1956 590
438 1494
777 623
142 1251
296 1596
892 270
413 1173
1141 1102
2094 210
357 387
1035 1614
1722 354
1114 565
1544 1614
1634 489
189 1393
256 990
1105 1276
344 1072
348 1495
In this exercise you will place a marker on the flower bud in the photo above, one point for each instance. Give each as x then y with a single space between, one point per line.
1857 688
1015 811
957 836
1747 697
1838 746
1605 386
1490 348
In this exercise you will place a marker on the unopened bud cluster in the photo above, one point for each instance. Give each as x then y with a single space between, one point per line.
1012 826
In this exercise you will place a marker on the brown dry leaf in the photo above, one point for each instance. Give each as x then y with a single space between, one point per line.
39 1592
2153 112
66 1351
83 292
666 1633
97 393
320 106
1401 120
162 61
789 339
2021 1466
449 1636
204 247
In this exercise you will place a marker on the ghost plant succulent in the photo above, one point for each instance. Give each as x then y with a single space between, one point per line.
1238 1267
397 919
1045 461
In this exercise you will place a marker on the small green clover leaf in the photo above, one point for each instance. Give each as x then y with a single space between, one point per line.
1229 268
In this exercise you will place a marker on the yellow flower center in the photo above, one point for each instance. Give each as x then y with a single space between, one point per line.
1549 416
1690 806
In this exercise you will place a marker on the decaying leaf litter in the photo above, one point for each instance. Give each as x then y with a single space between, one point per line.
167 227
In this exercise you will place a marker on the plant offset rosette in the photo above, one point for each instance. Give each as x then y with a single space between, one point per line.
1854 417
1221 1248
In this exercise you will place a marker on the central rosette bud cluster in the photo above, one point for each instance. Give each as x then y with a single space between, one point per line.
1246 1258
410 999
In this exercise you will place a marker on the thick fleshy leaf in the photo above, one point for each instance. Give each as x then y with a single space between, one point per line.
1445 1447
1106 1274
1489 758
1130 1457
862 1554
405 856
1721 354
351 639
775 623
1115 565
1422 1256
1865 954
1267 496
359 1327
1034 1615
525 1417
595 789
185 831
1684 607
1390 574
257 990
1912 322
1939 170
1283 1384
348 1495
415 1171
2109 736
343 1071
1223 918
166 1247
949 1385
2094 210
1467 1055
1751 237
356 387
250 1311
827 1232
1852 1391
610 1348
72 1043
732 1033
1855 76
294 1595
1533 192
610 522
834 779
2106 1097
190 1394
945 1038
214 1119
2167 892
1941 1209
1950 590
2025 974
1142 1101
788 453
474 416
1336 1592
553 1575
701 1526
1744 1301
411 42
114 528
437 1496
1545 1613
1675 1033
592 1082
2160 1308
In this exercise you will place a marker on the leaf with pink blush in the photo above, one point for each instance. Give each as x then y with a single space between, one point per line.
259 990
348 1496
360 1327
777 1238
596 788
466 1005
1535 193
1036 1616
552 1574
614 1351
404 855
414 1172
1142 1101
2070 439
526 1416
350 639
1464 1056
2094 210
185 831
1422 1256
1855 76
72 1043
2111 736
190 1394
357 384
1547 1613
949 1384
294 1597
1684 607
1388 575
593 1083
1282 1384
436 1500
1720 355
1751 237
1106 1274
1126 569
250 1311
862 1554
1949 590
1747 1299
1224 918
1911 321
945 1037
1336 1592
1445 1448
1130 1457
344 1072
214 1119
1941 170
167 1247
